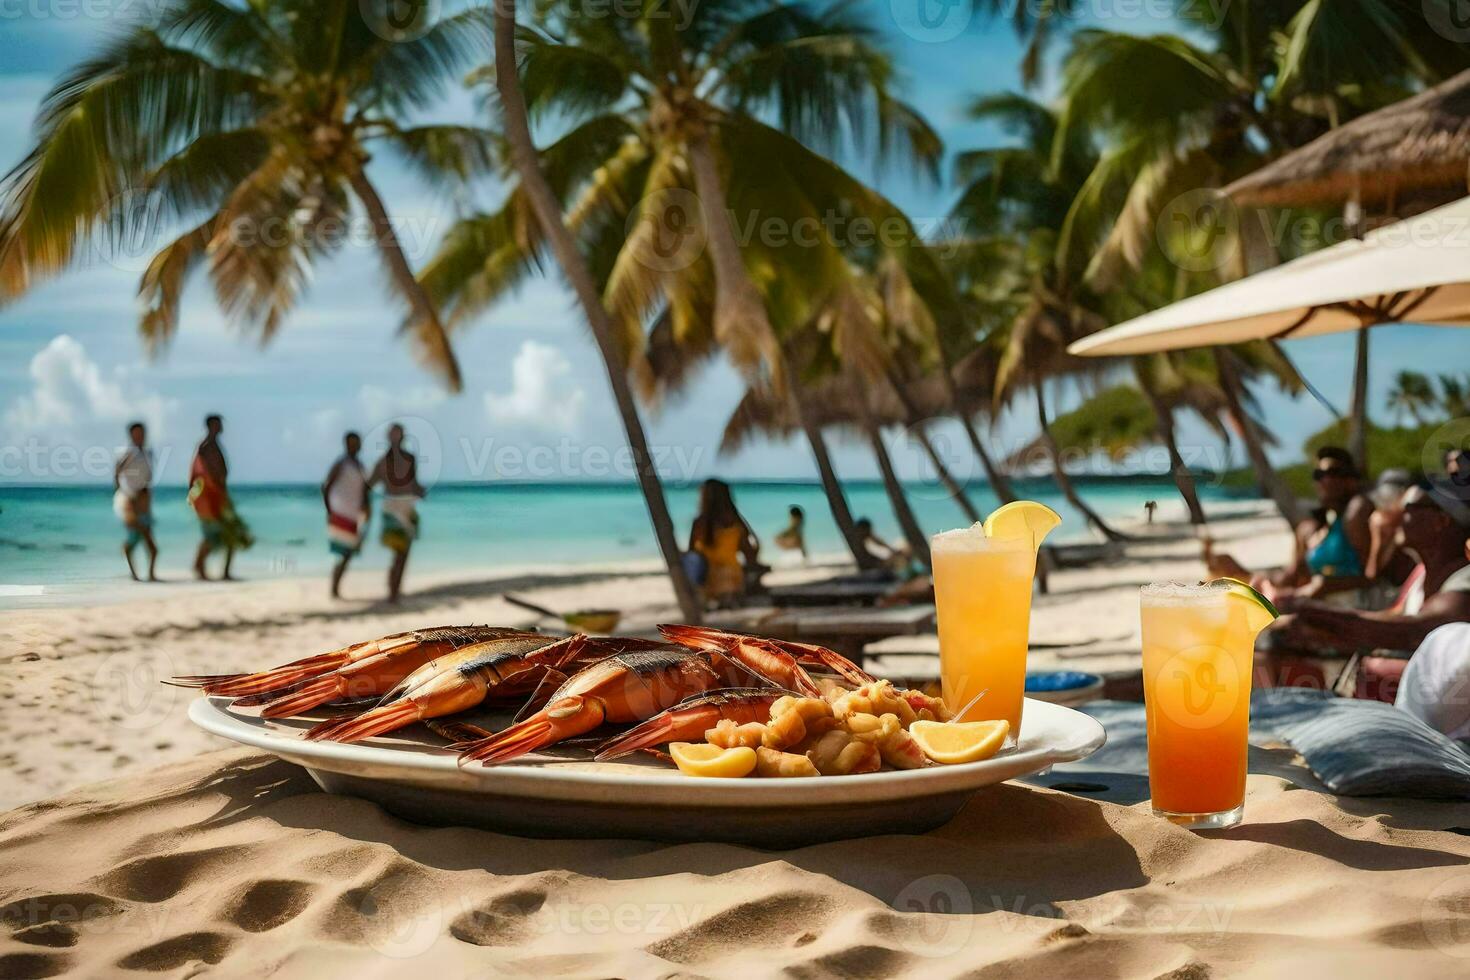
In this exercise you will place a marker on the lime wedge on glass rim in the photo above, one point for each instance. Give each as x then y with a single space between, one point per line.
1261 612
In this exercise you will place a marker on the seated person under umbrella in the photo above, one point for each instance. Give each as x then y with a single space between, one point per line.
1431 526
1332 545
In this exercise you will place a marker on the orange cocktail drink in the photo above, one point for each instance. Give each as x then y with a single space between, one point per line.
982 597
1198 647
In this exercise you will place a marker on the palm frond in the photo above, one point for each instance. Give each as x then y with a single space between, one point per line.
162 285
99 132
445 151
407 75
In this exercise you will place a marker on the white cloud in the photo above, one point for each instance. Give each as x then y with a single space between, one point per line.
382 404
542 393
69 392
324 427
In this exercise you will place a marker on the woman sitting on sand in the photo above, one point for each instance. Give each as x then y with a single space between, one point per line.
721 536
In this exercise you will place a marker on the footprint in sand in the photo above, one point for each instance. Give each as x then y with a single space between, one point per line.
766 922
57 935
505 920
33 965
171 954
263 905
162 876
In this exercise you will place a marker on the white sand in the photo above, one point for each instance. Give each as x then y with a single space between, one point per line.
233 864
225 861
81 698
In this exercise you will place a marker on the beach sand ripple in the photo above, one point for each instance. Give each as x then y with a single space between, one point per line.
235 862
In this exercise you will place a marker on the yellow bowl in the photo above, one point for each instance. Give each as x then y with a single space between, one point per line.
593 620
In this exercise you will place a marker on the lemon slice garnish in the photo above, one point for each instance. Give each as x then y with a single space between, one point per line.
1259 611
703 759
1023 520
951 742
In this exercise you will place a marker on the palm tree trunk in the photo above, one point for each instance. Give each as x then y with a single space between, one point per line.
1358 427
1063 480
946 478
553 225
916 429
1268 480
1183 479
1000 484
832 487
428 330
912 532
744 330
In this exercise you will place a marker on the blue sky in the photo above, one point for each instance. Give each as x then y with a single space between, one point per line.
535 405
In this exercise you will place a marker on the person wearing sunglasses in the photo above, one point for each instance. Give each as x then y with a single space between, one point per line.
1435 529
1332 549
1332 545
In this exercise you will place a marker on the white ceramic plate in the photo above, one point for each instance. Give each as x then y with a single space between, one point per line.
547 796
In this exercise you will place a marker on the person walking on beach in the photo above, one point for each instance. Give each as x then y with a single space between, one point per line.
219 526
132 498
345 494
398 472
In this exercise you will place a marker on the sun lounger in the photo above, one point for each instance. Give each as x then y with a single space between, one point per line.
845 591
846 629
1083 555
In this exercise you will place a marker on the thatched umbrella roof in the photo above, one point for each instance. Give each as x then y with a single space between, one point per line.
833 402
1410 156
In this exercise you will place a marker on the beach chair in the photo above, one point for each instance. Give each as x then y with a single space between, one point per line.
1369 675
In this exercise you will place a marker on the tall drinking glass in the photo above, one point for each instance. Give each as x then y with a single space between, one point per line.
982 597
1198 643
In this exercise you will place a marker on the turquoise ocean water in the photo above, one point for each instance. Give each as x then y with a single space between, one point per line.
67 538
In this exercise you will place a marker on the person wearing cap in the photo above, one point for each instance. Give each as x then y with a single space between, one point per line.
1387 564
1435 528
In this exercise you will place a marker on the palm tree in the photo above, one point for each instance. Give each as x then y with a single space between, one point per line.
543 203
864 321
664 135
1124 418
1179 119
1231 366
251 127
840 400
1176 382
1412 395
1454 399
1015 200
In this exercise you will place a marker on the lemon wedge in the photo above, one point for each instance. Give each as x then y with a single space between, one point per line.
951 742
1024 520
703 759
1259 611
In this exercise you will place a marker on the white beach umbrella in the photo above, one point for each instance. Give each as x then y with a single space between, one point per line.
1416 270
